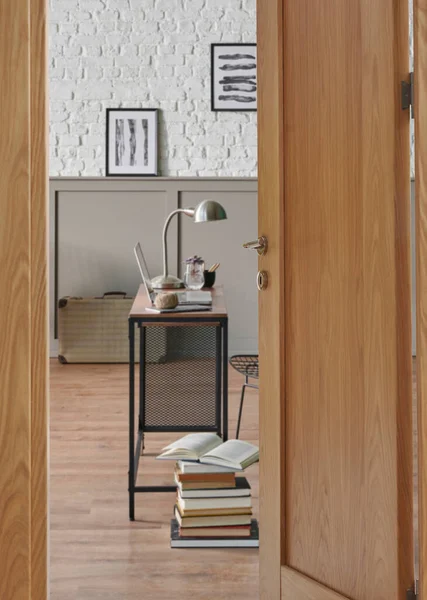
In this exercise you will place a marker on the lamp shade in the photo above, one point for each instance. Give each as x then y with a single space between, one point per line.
209 210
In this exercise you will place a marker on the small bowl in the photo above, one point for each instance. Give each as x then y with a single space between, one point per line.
209 279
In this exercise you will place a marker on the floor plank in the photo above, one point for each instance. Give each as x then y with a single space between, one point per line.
95 551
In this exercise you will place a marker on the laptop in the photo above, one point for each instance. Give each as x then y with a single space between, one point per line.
187 301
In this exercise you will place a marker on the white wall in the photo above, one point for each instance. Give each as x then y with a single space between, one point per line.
153 54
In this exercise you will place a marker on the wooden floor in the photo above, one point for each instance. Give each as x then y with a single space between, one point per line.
96 553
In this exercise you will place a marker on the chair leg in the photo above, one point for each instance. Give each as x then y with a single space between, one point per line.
242 397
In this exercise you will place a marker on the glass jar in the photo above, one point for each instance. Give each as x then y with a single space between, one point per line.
194 278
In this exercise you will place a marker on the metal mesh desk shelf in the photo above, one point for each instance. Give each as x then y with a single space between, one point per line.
183 377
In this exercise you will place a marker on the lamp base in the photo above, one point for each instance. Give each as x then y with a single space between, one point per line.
167 283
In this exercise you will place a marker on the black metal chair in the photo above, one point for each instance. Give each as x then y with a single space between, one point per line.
246 365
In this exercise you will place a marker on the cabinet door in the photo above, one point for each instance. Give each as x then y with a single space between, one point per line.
335 322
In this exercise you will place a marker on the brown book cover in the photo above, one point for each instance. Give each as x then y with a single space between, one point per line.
212 521
213 532
224 541
213 512
242 489
205 485
226 478
227 503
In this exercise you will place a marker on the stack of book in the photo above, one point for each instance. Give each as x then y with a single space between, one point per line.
214 504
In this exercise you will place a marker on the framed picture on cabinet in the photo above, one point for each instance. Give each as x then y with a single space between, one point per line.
131 142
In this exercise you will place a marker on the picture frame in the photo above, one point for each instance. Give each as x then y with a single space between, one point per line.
131 142
233 77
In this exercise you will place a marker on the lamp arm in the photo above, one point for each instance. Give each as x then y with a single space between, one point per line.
187 211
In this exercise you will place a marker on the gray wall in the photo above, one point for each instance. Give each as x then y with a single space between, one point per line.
95 222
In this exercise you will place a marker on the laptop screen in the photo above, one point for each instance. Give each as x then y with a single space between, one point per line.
145 274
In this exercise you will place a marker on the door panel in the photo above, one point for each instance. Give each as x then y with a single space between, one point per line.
342 418
298 587
420 73
342 367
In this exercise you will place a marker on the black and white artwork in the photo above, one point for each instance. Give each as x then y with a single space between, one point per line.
131 141
233 77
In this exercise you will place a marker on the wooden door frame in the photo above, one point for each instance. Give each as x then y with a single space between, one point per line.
26 203
271 332
39 197
24 341
420 76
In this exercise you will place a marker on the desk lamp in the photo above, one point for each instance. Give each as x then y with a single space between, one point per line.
207 210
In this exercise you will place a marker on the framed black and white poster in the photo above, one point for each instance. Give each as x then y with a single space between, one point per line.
131 142
233 77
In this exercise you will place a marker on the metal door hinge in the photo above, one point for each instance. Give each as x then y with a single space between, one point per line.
412 594
407 94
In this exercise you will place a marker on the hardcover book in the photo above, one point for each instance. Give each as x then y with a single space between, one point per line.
178 541
216 520
242 488
208 448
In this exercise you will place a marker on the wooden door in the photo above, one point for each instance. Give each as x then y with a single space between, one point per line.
420 111
23 314
335 323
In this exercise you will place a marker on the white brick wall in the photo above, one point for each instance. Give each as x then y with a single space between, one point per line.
152 54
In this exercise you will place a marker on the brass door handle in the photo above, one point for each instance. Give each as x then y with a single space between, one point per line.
260 245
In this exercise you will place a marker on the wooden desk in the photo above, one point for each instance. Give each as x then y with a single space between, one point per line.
183 376
142 302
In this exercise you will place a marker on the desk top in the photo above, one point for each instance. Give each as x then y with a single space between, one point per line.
142 301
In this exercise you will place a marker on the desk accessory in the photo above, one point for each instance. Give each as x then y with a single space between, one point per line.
207 210
166 300
214 267
194 278
209 278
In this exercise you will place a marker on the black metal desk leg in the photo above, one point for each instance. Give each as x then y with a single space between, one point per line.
142 353
218 389
225 377
131 419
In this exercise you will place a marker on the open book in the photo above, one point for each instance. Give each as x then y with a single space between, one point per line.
208 448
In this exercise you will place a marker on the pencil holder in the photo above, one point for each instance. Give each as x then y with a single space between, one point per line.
209 279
